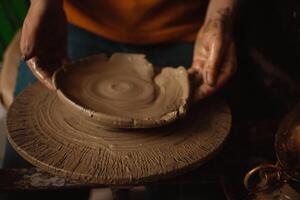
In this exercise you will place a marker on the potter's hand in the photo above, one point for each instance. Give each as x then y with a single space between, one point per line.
44 38
214 59
208 78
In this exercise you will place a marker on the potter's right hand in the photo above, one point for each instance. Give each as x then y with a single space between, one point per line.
44 38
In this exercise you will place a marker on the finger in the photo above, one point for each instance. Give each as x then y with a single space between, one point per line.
198 63
202 92
201 52
29 37
197 67
206 90
37 39
223 78
27 44
228 69
39 73
196 72
213 62
232 60
191 71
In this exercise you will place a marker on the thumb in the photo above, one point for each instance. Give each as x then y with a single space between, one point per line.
39 73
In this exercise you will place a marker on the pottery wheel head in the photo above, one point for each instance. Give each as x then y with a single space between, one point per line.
52 138
123 91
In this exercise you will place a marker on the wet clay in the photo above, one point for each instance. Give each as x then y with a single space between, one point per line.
46 134
123 91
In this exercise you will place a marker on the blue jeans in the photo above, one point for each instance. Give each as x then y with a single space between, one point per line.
81 44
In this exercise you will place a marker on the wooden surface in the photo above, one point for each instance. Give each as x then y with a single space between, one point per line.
50 137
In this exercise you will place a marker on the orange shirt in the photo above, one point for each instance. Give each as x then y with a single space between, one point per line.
139 21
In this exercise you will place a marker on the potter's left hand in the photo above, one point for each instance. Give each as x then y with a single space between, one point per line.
214 60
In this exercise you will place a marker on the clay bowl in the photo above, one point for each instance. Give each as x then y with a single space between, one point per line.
123 91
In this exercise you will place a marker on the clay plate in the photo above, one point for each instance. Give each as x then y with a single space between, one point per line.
46 134
123 91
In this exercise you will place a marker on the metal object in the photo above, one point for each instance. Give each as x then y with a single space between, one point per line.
287 146
266 175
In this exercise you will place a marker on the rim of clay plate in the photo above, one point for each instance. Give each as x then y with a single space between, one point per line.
112 121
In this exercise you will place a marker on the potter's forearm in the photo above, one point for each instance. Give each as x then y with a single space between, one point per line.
218 9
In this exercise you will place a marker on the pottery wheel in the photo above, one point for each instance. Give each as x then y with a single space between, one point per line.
123 91
51 137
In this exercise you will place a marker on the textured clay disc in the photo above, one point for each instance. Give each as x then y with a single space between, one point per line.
57 140
123 91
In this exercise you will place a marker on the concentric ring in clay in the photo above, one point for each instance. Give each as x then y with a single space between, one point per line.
123 91
46 134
